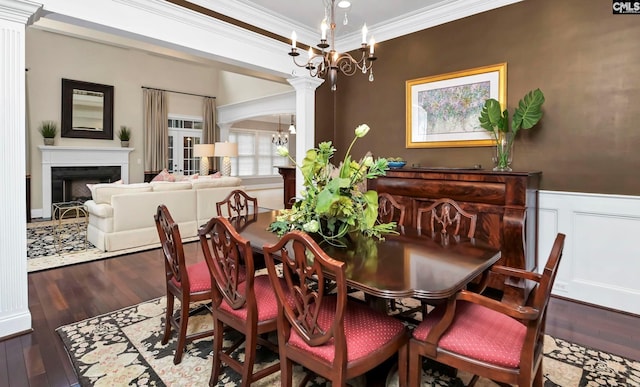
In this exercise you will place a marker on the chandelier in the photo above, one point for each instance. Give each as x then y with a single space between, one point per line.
279 139
328 62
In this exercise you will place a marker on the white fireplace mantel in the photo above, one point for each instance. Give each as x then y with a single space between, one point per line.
75 156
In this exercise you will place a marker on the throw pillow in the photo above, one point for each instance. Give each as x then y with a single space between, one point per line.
164 175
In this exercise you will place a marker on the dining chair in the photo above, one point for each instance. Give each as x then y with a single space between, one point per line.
486 337
236 204
188 283
445 217
328 334
242 301
389 210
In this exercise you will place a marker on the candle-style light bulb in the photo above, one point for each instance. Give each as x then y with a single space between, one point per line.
294 37
310 52
364 34
371 43
324 28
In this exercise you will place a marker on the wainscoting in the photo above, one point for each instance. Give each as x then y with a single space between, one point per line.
601 259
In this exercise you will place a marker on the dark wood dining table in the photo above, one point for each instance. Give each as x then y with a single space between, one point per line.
403 265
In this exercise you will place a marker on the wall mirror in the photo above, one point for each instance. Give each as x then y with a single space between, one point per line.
87 110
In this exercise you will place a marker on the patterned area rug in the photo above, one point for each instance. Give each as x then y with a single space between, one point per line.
50 245
123 348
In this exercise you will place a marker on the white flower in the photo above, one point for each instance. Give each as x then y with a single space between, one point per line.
362 130
282 151
311 226
368 161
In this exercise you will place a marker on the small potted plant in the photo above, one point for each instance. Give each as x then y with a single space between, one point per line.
124 135
48 130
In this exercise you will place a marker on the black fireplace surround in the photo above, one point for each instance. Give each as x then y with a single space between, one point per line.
70 183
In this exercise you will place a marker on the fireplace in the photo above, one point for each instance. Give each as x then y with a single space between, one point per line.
70 183
81 165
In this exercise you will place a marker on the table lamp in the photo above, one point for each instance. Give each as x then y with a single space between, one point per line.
204 151
226 150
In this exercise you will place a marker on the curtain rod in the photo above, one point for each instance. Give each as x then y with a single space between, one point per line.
178 92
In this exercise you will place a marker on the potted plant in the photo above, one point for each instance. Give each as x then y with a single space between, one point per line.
124 135
493 119
48 130
334 202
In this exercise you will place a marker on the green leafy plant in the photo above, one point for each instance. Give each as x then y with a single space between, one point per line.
124 134
525 116
48 129
333 204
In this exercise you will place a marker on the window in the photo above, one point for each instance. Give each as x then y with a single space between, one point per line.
184 133
256 154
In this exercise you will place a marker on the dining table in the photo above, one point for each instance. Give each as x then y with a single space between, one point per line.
406 264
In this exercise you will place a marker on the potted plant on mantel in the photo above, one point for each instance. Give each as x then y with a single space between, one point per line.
493 119
48 130
124 135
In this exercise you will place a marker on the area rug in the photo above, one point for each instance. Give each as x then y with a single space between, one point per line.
45 251
123 348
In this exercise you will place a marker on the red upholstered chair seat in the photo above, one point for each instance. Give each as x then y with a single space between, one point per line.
479 333
200 279
265 298
359 321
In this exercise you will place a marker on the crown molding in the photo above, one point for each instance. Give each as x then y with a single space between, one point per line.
443 12
19 11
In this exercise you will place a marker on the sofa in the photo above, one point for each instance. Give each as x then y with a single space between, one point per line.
121 216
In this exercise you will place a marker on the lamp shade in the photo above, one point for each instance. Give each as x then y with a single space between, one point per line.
229 149
203 150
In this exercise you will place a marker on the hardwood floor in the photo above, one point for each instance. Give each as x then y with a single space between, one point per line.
65 295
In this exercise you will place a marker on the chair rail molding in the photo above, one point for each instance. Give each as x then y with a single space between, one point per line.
600 263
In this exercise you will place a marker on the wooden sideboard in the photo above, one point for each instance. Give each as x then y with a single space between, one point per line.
289 176
506 204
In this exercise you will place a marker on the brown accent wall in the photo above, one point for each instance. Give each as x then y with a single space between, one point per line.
585 60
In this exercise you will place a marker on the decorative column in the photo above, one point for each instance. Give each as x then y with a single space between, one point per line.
305 120
14 303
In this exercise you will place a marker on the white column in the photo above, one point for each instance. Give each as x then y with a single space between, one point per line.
14 303
305 120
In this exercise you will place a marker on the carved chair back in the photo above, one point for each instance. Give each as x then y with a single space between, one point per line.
230 259
389 210
237 204
446 217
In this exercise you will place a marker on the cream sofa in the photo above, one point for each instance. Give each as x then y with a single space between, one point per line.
121 215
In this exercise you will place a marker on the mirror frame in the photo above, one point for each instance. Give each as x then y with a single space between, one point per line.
68 85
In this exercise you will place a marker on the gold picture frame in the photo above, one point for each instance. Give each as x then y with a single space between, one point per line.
443 110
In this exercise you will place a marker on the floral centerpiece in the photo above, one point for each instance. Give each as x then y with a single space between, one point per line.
333 203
